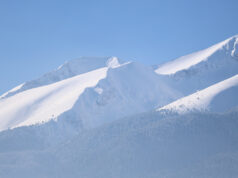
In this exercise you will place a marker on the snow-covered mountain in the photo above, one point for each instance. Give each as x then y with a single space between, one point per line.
92 97
98 117
204 68
67 70
228 47
219 97
213 71
100 90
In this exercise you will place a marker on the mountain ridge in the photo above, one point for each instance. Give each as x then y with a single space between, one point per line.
187 61
67 70
204 100
118 86
124 119
99 93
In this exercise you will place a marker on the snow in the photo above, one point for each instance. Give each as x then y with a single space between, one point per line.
93 97
113 62
98 90
202 100
12 90
219 66
100 117
235 49
188 61
129 89
69 69
44 103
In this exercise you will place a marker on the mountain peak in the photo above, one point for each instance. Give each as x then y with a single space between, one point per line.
93 97
67 70
229 47
113 62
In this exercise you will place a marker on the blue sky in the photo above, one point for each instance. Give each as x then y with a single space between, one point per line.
38 36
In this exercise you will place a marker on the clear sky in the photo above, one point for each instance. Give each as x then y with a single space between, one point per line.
38 36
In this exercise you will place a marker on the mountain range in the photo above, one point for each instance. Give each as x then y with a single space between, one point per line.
106 117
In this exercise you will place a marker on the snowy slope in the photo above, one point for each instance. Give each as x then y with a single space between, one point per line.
202 69
219 97
46 102
67 70
95 91
100 120
127 89
185 62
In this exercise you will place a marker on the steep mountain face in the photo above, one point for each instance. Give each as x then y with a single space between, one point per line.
204 68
